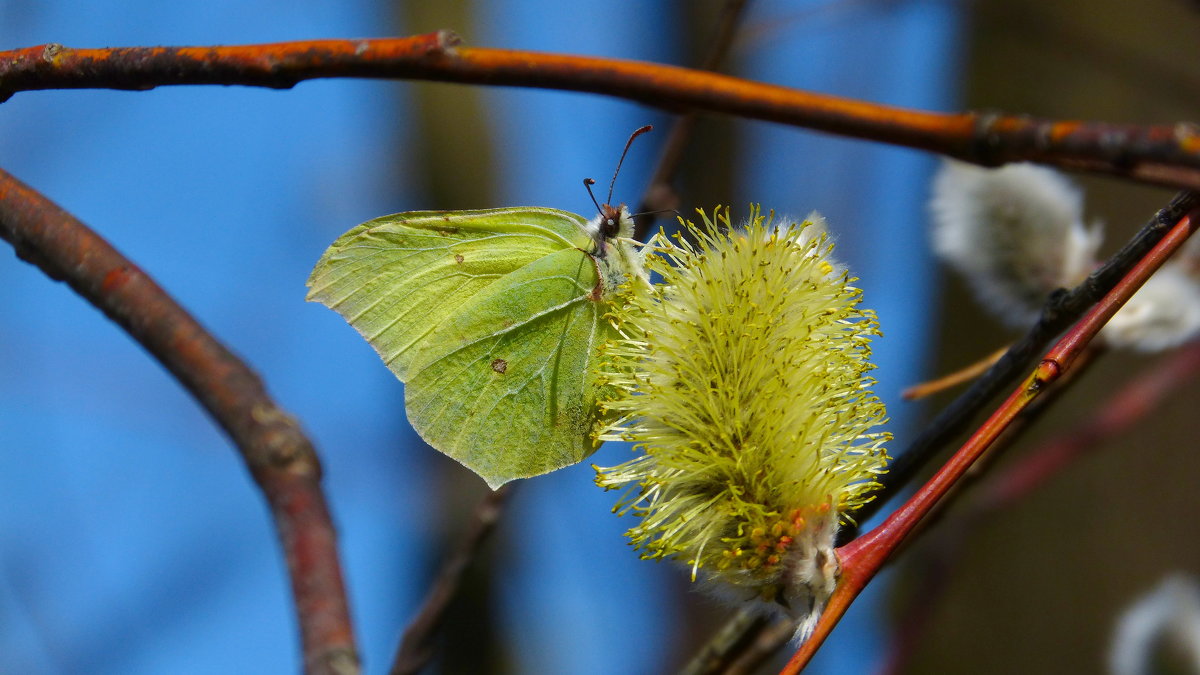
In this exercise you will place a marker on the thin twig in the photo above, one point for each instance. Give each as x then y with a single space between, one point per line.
936 572
280 457
1130 405
416 647
765 645
1158 154
1062 309
862 558
951 380
659 195
723 646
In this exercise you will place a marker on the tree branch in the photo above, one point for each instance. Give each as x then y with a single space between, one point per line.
416 646
862 558
1131 404
732 639
659 195
1062 309
280 457
1159 154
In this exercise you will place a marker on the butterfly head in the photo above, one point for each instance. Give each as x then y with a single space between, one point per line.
611 221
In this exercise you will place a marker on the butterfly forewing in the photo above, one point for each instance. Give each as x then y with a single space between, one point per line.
397 277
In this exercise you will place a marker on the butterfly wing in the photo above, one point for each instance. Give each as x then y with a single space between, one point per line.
491 317
395 278
516 357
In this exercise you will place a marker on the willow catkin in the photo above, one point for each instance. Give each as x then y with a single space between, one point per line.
742 381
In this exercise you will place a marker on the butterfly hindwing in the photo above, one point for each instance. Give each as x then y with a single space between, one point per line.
519 355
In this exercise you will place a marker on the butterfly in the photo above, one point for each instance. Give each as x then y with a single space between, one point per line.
492 318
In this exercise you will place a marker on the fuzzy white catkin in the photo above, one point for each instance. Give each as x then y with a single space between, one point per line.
1188 258
1016 233
1163 625
816 228
1164 313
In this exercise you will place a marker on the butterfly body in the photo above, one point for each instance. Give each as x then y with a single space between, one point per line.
611 231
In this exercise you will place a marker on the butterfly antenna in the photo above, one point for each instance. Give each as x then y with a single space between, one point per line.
635 134
655 213
588 183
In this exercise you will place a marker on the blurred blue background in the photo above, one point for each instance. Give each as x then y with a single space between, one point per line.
132 539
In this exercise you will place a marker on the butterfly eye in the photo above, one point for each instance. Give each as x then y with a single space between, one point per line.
610 225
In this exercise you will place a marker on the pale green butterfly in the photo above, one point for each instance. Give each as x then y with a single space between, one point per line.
493 319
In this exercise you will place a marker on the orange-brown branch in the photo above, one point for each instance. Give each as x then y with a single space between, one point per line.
1161 154
275 449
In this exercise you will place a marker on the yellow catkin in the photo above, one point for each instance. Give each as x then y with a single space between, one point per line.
742 381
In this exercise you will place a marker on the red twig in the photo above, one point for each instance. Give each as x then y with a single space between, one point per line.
1160 154
1060 311
862 558
1129 406
936 559
278 454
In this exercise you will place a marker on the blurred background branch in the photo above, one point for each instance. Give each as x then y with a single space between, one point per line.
659 195
276 451
416 646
